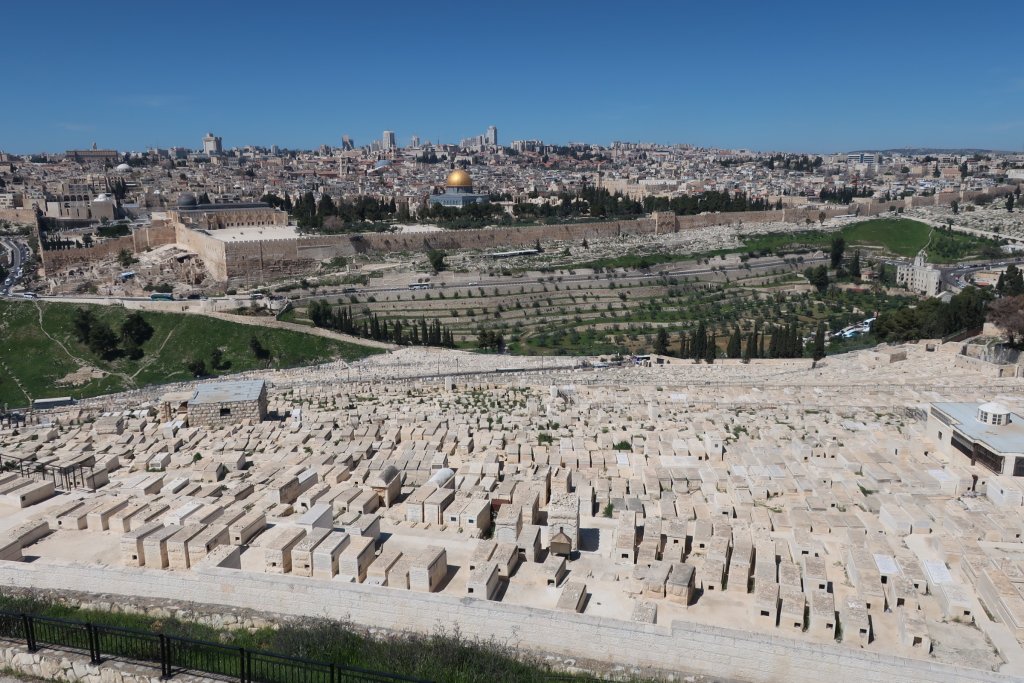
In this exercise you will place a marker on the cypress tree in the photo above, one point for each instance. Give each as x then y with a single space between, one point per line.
700 341
773 345
733 349
710 349
819 342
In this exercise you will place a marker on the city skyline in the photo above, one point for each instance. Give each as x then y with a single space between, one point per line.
803 78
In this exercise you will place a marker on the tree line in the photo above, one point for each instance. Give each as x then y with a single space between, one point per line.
932 319
314 216
843 195
711 201
792 162
414 333
771 341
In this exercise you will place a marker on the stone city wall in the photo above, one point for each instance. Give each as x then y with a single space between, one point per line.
254 261
682 646
209 249
140 240
27 216
940 199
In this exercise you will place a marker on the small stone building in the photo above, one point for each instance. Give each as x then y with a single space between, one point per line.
222 403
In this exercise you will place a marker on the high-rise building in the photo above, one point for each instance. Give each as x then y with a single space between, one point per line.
414 141
212 144
388 139
492 136
346 144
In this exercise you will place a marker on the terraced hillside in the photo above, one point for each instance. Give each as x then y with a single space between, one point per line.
588 313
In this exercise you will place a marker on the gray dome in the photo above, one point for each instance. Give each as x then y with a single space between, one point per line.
383 477
186 199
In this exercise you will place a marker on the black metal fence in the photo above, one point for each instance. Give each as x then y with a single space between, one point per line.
65 477
174 654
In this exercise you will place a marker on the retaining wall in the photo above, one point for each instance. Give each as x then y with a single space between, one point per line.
682 646
140 240
58 665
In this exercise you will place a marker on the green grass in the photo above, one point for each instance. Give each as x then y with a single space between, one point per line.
39 356
449 657
900 236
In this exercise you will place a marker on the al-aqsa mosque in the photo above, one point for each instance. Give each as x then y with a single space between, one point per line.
458 191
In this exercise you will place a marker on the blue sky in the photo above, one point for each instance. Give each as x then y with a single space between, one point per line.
791 75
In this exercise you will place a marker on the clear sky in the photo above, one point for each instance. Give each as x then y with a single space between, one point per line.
787 75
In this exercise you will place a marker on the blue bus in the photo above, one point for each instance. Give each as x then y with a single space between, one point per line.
160 296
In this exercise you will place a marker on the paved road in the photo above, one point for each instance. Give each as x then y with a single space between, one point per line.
17 252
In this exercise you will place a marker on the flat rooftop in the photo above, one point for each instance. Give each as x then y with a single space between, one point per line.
228 206
228 392
253 233
1008 438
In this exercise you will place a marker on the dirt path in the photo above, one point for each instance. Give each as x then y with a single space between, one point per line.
153 356
268 322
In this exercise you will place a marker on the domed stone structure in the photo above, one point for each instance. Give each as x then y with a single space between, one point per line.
459 179
458 191
387 484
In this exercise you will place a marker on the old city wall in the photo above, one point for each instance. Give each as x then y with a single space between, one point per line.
258 261
209 249
492 238
527 236
254 261
25 216
140 240
939 199
681 646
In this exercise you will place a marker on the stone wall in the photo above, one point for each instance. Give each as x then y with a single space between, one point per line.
26 216
210 414
56 665
151 237
682 646
209 249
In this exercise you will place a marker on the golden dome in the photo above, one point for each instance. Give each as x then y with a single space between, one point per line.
458 178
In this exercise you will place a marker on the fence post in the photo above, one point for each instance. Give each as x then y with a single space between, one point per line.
242 660
334 673
165 657
94 643
30 632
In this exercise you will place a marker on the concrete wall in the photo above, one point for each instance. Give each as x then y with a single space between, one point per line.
685 647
